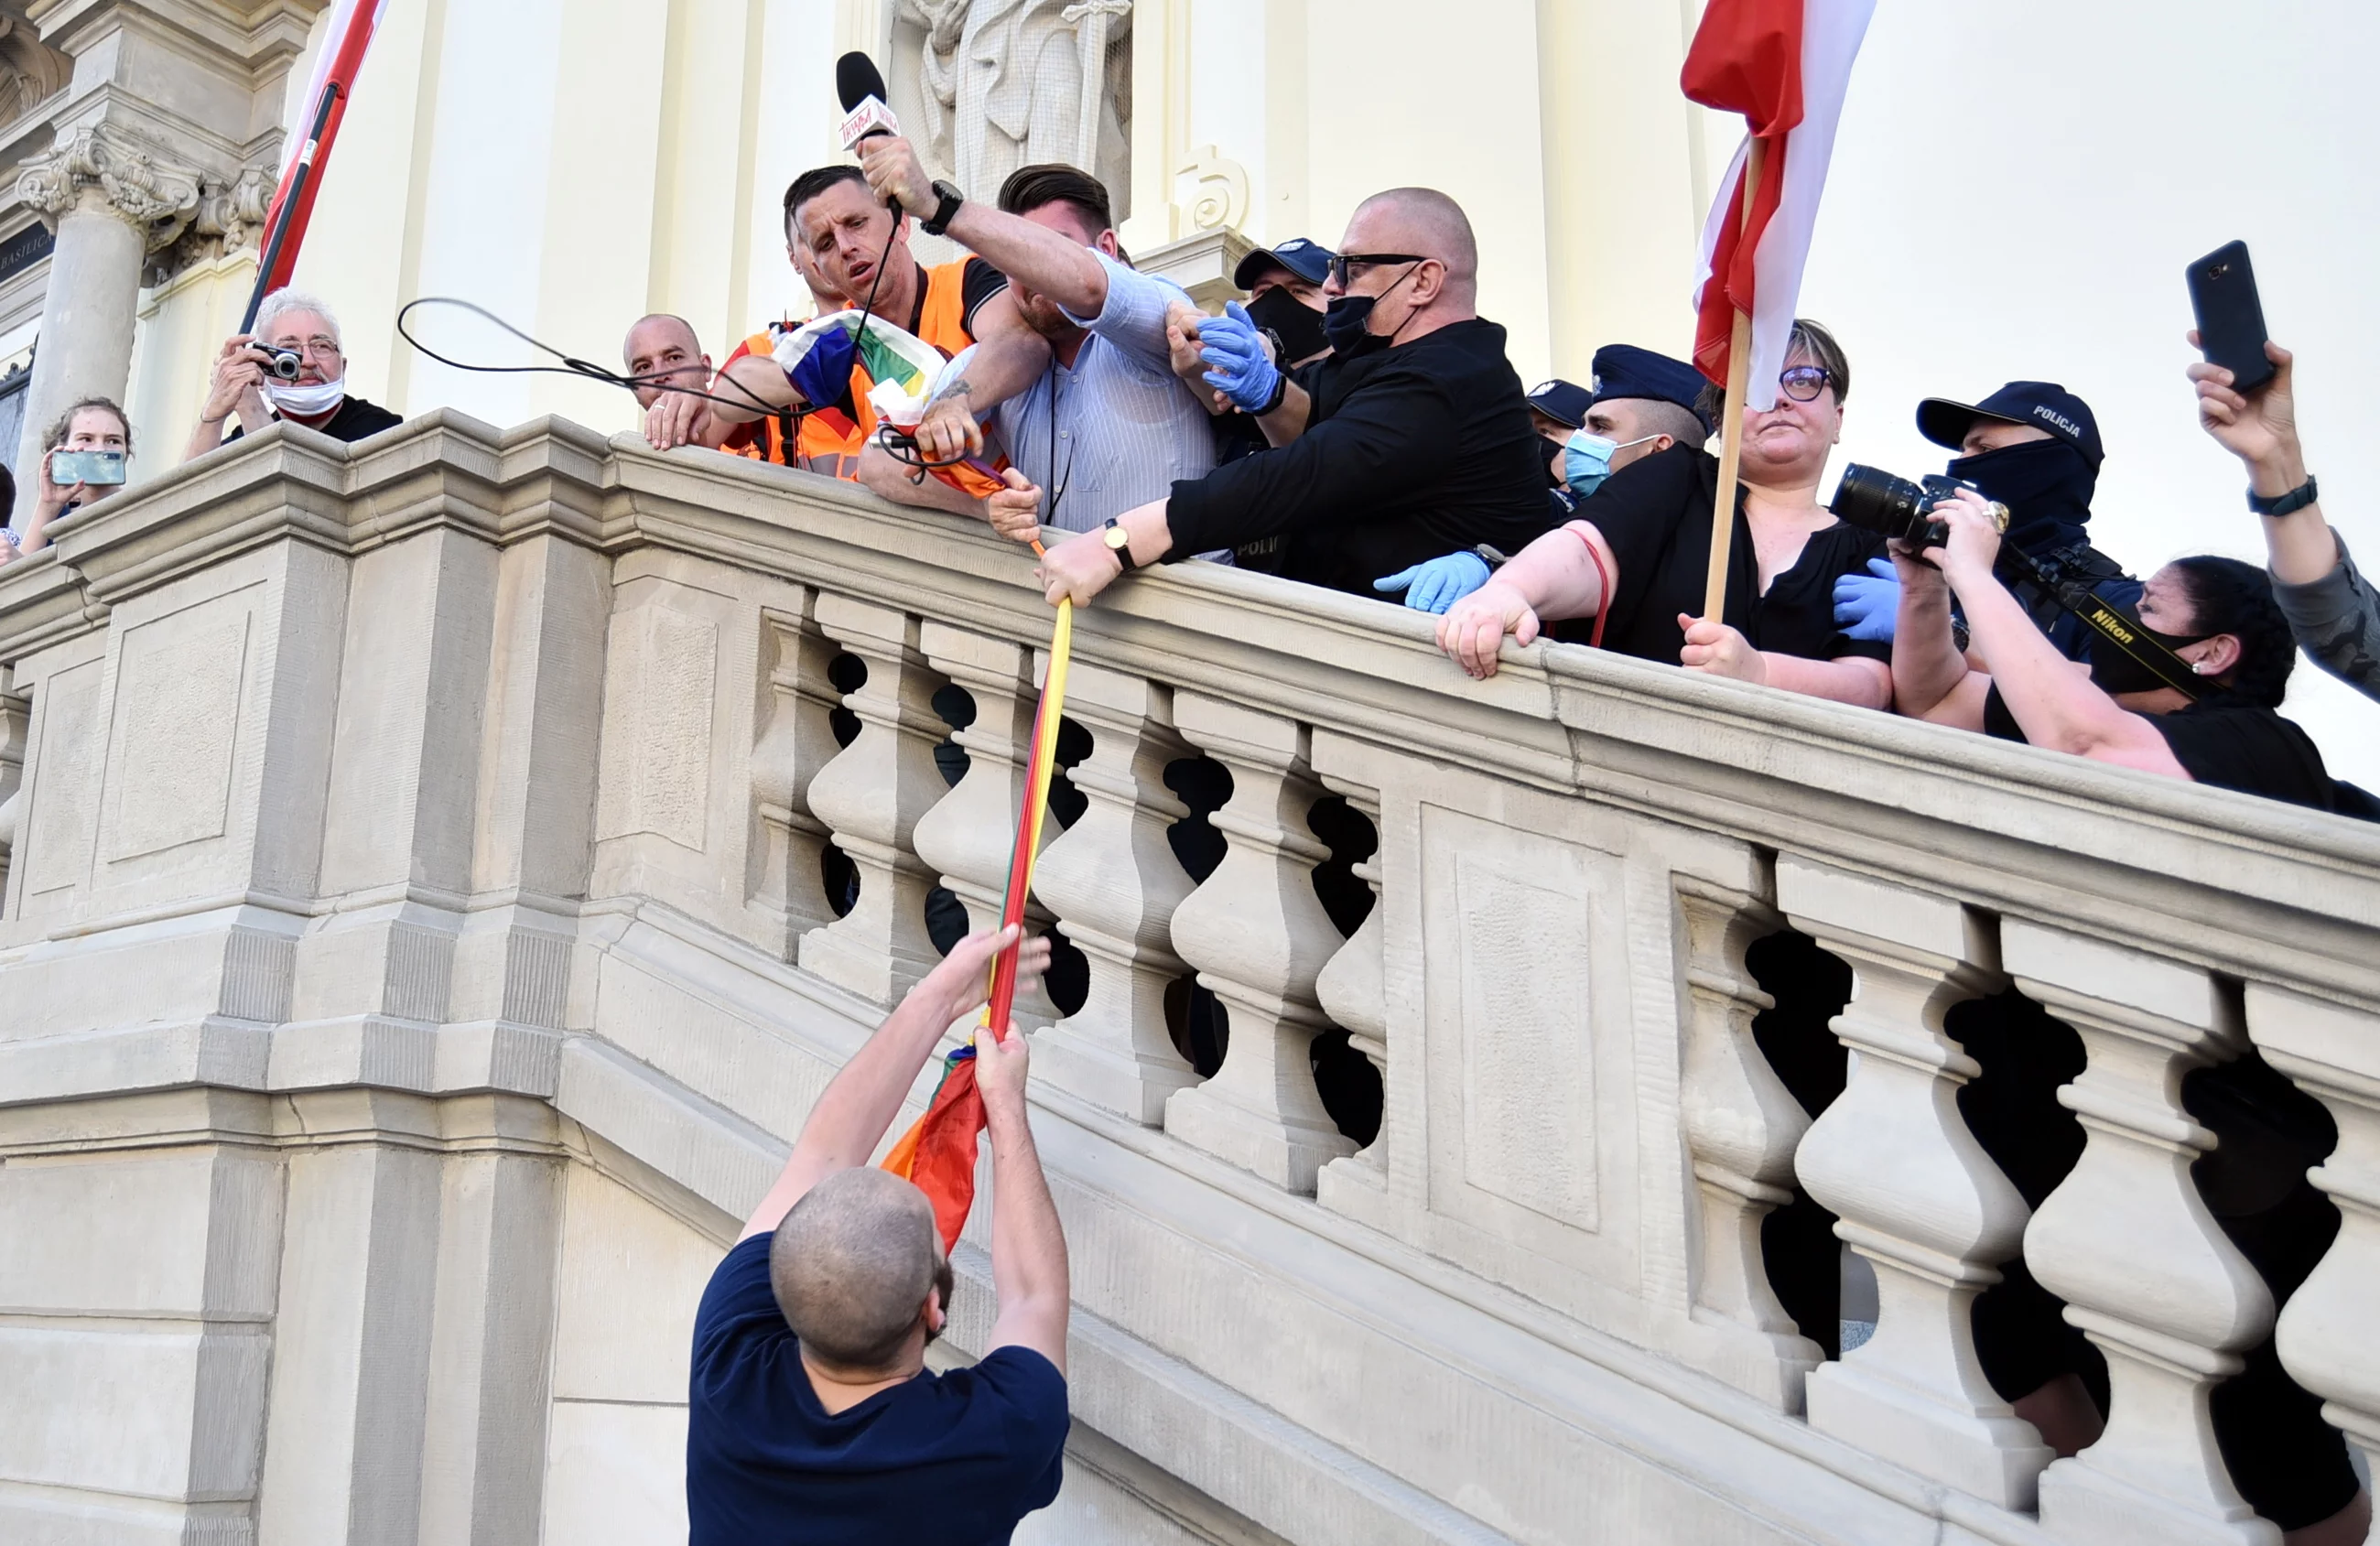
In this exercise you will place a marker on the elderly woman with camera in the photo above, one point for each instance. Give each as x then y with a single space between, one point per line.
1629 573
291 367
2219 627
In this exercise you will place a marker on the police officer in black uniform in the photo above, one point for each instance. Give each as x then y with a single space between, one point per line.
2034 447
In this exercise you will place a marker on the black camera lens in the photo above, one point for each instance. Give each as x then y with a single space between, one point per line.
285 363
1873 500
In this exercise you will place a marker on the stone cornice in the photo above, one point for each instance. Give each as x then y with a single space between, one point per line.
2173 866
257 36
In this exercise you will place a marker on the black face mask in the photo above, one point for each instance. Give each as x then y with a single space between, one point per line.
1346 321
1296 324
2046 484
2113 669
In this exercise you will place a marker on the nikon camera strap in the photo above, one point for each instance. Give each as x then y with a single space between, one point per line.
2124 633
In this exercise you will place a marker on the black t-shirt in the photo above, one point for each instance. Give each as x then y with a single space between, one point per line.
953 1459
1656 513
1409 454
355 419
2226 742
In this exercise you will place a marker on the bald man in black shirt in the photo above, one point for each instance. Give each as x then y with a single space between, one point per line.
1411 440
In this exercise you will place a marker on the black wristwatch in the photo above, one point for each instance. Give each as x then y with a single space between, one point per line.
2281 505
1119 542
945 212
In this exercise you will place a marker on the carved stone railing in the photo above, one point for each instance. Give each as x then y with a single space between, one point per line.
502 767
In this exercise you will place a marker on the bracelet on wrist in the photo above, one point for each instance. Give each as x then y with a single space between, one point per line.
2282 505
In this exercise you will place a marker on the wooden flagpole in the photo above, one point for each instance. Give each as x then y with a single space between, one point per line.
1730 444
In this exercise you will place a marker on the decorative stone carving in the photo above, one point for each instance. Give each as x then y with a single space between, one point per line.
1001 84
1115 883
1217 193
31 71
1259 938
969 834
795 742
870 797
2127 1242
1741 1126
2325 1335
157 197
1913 1190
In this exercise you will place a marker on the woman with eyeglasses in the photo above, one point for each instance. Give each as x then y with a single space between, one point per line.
1629 573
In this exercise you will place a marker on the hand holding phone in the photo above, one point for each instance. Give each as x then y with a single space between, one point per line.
2231 315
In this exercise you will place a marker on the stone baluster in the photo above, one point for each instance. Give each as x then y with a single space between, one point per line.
970 834
16 717
2126 1241
2326 1337
1352 990
1259 938
872 796
1742 1125
1913 1192
796 741
1115 883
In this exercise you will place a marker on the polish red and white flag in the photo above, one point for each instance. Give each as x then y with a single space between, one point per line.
1785 66
344 40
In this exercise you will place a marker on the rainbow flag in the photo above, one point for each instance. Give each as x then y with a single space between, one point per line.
938 1151
819 358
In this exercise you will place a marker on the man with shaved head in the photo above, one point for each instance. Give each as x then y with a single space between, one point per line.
812 1414
661 352
1410 440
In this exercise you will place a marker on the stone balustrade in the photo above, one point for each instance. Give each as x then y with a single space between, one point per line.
423 893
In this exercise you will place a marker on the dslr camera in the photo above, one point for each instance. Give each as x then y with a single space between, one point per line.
282 364
1895 508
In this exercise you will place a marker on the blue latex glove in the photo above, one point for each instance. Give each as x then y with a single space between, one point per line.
1439 584
1867 608
1236 361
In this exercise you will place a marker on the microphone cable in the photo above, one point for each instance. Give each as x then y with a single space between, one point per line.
570 364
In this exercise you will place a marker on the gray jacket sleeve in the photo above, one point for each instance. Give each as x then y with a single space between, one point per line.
2336 621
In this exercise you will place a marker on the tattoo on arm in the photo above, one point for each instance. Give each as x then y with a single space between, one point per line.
959 388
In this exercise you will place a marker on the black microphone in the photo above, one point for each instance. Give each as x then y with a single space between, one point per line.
861 86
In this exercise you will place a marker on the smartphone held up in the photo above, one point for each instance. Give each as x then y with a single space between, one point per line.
95 468
2231 317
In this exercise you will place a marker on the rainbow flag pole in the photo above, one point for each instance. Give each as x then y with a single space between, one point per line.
938 1152
1038 770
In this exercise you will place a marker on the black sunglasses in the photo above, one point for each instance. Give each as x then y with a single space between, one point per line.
1344 261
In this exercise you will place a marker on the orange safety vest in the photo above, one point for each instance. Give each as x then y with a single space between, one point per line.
829 438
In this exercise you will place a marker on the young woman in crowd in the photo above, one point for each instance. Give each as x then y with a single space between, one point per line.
94 424
1629 573
2217 614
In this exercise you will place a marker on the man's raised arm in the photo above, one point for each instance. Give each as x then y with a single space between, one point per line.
1035 256
1028 1248
860 1102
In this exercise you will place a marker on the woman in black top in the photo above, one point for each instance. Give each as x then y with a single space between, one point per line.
2217 613
1635 560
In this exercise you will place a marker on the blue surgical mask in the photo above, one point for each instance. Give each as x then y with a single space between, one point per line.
1586 460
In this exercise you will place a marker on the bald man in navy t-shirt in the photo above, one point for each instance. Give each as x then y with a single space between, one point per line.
812 1418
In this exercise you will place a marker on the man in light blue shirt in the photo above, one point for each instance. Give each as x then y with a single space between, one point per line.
1082 394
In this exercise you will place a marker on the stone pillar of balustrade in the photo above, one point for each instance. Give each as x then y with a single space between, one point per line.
1353 991
1113 882
1259 938
1911 1189
2127 1242
795 742
2326 1335
16 717
872 796
969 834
1741 1126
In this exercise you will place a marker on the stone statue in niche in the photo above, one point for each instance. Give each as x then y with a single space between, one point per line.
987 86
